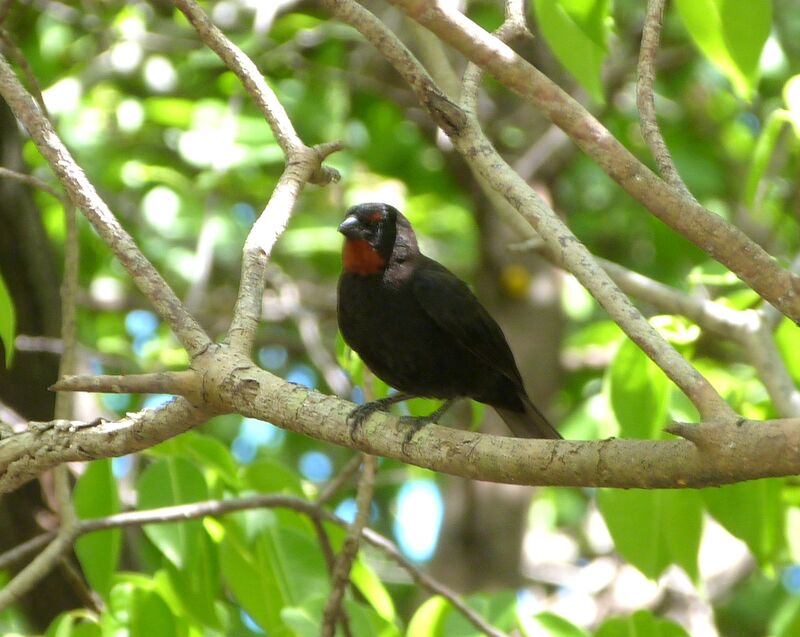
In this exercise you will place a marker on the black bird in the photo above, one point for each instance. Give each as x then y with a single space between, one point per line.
420 329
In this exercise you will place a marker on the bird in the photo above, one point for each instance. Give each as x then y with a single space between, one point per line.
420 329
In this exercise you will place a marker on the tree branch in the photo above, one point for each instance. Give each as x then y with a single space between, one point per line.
197 510
303 164
645 100
231 384
722 241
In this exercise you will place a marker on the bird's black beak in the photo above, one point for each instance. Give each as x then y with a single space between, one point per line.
350 228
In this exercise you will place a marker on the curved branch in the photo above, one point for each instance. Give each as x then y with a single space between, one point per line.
313 510
645 99
303 164
711 233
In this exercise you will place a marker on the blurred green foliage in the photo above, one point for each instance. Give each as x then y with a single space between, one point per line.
174 144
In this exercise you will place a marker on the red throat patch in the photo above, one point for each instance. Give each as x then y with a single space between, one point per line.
359 257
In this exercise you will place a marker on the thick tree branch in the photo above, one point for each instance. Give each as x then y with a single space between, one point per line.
232 384
25 456
722 241
176 383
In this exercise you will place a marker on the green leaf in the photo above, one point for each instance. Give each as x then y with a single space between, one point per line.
764 151
371 587
754 512
75 623
304 620
576 31
731 34
641 624
8 322
198 585
551 625
268 566
745 29
204 451
499 609
166 483
96 496
653 529
268 476
786 621
137 611
638 393
429 618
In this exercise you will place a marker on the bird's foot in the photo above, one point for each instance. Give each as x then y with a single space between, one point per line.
415 424
360 414
418 422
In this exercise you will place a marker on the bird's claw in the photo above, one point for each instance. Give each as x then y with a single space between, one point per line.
415 424
360 414
357 418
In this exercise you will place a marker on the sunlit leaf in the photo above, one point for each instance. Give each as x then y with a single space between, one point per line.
8 321
754 512
731 33
166 483
653 529
96 496
638 393
641 624
576 31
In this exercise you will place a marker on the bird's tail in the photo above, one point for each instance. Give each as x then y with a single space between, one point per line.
529 423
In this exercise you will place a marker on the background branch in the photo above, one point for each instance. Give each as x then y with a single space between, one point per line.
712 234
645 98
84 196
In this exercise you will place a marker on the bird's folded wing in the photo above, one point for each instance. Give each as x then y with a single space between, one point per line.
454 308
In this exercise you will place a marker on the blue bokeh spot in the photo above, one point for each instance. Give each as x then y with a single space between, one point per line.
316 466
141 324
420 511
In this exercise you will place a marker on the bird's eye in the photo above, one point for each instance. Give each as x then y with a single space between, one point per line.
374 218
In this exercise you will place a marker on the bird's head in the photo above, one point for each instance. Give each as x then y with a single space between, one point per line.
375 235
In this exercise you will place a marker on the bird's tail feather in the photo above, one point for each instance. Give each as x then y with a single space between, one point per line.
528 424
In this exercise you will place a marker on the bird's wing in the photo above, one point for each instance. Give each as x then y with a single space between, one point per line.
454 308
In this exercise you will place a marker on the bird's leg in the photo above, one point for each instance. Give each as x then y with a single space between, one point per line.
418 422
362 412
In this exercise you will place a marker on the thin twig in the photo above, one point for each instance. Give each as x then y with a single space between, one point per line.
16 55
288 296
30 180
645 95
715 236
341 574
303 164
34 572
196 510
331 487
42 564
